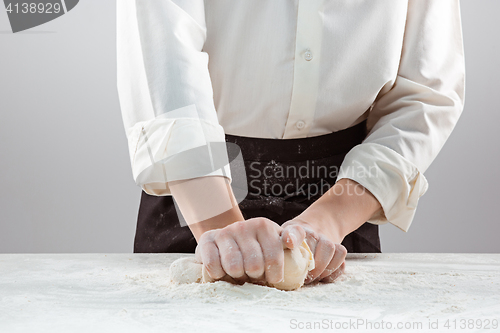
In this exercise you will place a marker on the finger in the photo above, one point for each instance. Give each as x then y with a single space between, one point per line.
272 249
323 255
253 258
209 254
292 236
230 255
312 238
334 275
197 254
337 260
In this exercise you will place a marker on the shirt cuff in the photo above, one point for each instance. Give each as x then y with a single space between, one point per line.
394 181
165 149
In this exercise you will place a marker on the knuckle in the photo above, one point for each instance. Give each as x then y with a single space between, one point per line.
205 246
265 220
206 236
328 244
254 268
223 234
297 228
341 250
274 261
270 228
233 265
234 228
234 270
313 236
260 223
239 224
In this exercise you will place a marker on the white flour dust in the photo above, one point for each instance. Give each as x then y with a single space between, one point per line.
133 293
366 288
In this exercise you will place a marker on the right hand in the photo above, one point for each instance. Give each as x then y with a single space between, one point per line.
247 251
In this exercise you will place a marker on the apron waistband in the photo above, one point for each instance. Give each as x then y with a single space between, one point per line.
286 150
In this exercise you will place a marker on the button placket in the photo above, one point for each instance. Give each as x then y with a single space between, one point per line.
306 69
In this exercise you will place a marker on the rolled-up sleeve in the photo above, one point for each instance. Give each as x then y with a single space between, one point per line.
165 93
410 122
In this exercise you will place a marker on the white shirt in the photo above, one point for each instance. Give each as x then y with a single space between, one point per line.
191 70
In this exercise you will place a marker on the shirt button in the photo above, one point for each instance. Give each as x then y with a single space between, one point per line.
300 124
308 55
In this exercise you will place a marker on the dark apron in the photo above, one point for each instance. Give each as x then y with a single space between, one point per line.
284 177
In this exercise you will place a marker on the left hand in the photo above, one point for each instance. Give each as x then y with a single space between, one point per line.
329 257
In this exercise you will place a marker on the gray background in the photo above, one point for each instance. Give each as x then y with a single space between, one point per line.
65 178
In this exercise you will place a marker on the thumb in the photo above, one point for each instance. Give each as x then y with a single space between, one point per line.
292 236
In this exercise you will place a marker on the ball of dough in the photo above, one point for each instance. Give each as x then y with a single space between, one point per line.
186 270
298 262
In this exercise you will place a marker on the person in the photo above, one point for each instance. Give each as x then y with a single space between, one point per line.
255 125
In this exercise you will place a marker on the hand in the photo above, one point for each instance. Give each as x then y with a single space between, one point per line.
327 221
329 257
248 251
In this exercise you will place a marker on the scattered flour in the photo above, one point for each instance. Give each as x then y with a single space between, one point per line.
133 293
